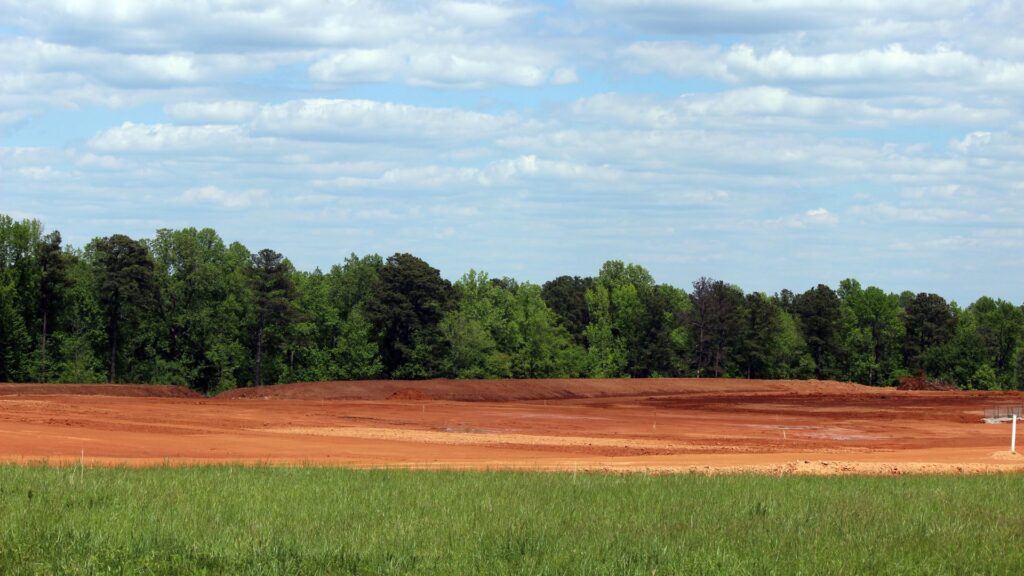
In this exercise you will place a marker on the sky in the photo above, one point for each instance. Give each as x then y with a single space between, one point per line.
768 143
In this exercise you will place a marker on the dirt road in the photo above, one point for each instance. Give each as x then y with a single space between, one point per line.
615 425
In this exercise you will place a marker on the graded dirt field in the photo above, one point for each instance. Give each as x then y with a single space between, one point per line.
657 425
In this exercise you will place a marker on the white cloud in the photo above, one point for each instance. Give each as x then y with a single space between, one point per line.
770 16
914 213
149 138
971 142
223 198
893 63
820 216
814 217
225 112
496 174
371 120
444 65
358 65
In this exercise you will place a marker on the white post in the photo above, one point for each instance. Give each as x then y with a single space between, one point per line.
1013 436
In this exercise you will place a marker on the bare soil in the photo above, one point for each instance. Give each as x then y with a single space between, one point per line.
657 425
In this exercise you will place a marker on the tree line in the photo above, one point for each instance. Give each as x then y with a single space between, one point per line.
186 308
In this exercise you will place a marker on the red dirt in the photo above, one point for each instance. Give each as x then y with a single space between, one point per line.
706 426
549 389
410 394
922 382
126 390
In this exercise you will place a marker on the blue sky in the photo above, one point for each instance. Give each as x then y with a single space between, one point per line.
771 143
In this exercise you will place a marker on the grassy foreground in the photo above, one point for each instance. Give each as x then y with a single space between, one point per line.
216 520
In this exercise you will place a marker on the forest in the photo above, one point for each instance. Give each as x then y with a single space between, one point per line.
184 307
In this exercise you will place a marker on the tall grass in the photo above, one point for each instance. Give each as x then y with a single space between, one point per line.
244 520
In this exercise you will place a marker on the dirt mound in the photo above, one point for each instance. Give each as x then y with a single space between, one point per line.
125 390
708 426
544 389
922 382
409 394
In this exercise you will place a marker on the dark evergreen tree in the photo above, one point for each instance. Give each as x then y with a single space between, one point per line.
53 281
567 298
406 309
274 295
930 322
817 313
715 320
762 327
126 286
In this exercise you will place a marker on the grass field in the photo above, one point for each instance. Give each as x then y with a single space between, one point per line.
258 520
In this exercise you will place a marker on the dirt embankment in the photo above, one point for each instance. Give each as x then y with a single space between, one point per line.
543 389
124 390
683 425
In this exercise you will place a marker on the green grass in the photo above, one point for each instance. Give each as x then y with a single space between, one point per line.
243 520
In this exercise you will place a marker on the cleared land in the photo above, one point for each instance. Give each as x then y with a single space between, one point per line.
666 425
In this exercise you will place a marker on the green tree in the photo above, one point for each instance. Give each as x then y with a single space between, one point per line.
790 358
715 321
356 354
474 326
567 298
607 356
663 346
201 286
53 281
543 348
761 332
126 287
15 340
19 288
274 294
817 314
929 322
872 333
406 309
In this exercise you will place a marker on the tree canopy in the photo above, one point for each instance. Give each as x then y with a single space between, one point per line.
184 307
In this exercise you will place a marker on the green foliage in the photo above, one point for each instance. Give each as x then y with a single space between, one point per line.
273 295
871 333
541 347
128 297
15 343
716 326
204 296
818 314
475 326
930 323
406 309
257 520
665 340
184 308
606 350
356 355
985 378
566 297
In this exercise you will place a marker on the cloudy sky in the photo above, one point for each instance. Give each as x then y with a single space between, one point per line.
769 143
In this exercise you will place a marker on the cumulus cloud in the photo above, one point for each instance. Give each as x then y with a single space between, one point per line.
150 138
744 63
452 66
225 199
372 120
521 169
225 112
768 16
